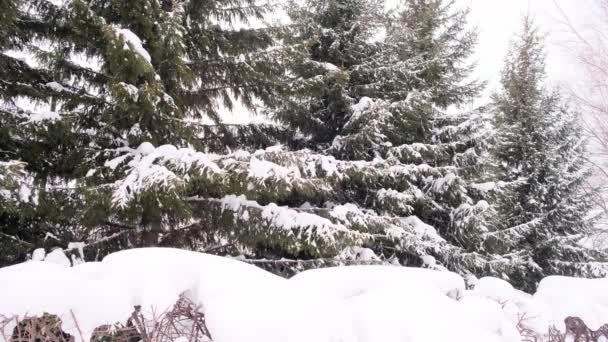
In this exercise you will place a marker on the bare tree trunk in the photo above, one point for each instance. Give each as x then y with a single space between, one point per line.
151 223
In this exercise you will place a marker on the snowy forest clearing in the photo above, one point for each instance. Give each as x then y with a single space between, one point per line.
242 303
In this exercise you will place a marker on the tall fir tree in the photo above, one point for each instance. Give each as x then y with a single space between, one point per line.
543 204
110 155
402 195
376 108
330 39
22 227
105 82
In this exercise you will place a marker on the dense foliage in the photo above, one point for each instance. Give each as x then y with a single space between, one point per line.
543 208
111 134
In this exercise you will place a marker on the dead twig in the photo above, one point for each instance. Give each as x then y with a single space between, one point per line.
77 326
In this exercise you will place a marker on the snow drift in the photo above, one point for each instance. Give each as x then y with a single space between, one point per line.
244 303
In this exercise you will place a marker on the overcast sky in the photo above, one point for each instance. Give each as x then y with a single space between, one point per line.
499 20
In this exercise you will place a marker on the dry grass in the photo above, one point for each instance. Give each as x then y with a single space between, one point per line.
183 321
576 331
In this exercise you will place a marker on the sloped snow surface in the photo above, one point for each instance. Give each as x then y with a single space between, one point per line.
244 303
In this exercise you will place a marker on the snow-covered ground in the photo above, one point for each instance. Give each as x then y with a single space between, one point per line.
244 303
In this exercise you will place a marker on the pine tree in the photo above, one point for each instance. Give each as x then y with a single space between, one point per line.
435 38
330 39
407 199
18 233
543 208
11 211
392 171
108 81
422 71
113 154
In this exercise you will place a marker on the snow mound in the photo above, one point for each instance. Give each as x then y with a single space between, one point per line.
495 289
106 292
351 280
243 303
390 303
564 296
556 299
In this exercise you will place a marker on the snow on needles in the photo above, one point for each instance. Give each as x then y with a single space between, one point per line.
287 218
156 167
243 303
132 42
262 169
44 116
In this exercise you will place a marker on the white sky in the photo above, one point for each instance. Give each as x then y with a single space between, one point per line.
499 20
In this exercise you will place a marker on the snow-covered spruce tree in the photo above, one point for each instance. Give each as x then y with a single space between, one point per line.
21 225
13 243
10 170
391 170
543 207
330 39
420 70
111 80
328 205
423 70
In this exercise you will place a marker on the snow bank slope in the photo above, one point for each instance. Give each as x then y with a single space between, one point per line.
389 303
351 280
245 304
556 299
562 297
101 293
